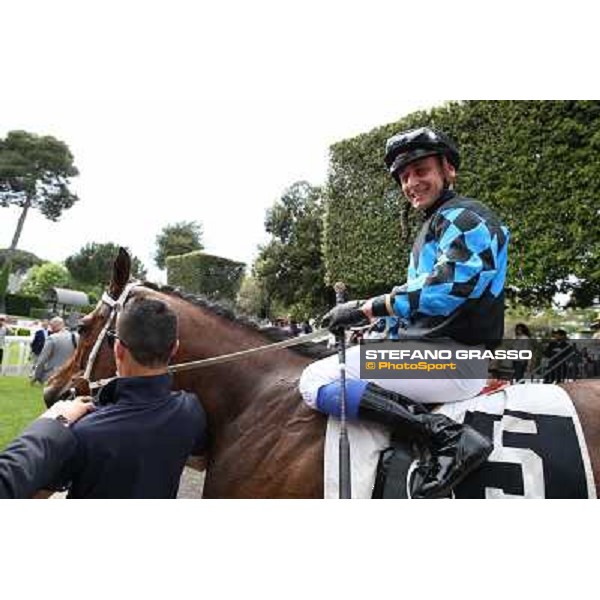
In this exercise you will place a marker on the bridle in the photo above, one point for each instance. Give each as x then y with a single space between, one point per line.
117 305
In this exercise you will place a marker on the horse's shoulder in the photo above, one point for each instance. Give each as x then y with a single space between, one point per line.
584 394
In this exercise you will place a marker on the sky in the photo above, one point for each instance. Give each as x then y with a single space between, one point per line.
176 111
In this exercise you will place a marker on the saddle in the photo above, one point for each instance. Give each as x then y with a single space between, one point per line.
539 450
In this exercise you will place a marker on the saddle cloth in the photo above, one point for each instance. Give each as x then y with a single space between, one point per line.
539 448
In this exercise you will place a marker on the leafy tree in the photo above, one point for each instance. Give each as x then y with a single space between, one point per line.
252 297
21 259
93 264
214 277
290 266
35 172
42 278
176 239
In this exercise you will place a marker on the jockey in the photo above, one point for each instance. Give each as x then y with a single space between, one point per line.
454 291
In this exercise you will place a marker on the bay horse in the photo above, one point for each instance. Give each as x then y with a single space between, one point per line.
264 441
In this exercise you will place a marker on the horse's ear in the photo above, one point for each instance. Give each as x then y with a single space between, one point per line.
120 274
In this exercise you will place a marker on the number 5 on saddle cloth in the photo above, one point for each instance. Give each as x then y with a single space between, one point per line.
539 449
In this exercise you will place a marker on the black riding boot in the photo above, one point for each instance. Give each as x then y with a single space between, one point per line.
456 449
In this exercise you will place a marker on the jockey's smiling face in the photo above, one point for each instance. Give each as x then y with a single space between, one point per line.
423 180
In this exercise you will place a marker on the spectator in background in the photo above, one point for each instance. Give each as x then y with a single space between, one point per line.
586 362
575 364
73 320
594 351
293 326
557 351
58 348
39 339
522 334
306 327
4 331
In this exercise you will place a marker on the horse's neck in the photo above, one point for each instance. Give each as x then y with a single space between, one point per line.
228 389
257 422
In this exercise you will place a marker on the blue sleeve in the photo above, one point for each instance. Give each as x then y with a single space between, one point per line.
464 259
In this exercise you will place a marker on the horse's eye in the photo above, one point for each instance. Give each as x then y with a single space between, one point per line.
81 327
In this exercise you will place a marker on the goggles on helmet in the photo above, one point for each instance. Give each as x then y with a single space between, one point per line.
409 146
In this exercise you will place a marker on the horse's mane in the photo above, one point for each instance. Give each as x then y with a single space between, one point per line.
274 334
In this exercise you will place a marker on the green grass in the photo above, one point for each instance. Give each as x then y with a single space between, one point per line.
20 403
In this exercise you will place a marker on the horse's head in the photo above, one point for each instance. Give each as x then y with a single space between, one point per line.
71 375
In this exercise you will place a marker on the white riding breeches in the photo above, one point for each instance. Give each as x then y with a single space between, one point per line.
427 390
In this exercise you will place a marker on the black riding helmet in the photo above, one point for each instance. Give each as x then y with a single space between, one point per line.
408 146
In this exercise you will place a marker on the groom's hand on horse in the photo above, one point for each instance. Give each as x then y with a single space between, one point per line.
344 315
71 410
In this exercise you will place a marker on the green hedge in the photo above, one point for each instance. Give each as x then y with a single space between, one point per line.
18 304
40 313
537 163
215 277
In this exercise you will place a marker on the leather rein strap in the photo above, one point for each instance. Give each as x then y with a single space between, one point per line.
225 358
117 305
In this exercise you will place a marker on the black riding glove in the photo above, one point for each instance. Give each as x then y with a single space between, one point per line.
344 315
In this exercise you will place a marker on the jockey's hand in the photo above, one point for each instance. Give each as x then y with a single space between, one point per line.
344 315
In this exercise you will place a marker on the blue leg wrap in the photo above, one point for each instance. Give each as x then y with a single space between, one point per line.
329 397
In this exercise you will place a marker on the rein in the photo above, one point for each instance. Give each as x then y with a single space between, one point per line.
117 305
225 358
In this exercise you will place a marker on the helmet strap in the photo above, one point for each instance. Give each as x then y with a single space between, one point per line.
448 185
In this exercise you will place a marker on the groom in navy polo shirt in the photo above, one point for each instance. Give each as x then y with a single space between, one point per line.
135 445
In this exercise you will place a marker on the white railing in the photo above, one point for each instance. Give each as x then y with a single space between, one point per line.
16 359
